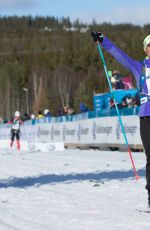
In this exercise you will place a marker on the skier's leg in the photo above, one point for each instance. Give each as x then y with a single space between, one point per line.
18 140
12 138
18 144
145 136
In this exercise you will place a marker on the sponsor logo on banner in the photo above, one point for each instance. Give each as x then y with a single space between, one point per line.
67 132
52 133
79 132
104 129
56 132
43 132
99 129
118 130
82 131
94 130
38 133
70 132
64 132
128 129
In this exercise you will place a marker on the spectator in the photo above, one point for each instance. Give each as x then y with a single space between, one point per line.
116 80
47 113
32 116
130 101
25 117
137 100
127 81
1 120
70 111
60 113
66 110
33 119
40 115
127 102
83 108
123 104
111 103
5 121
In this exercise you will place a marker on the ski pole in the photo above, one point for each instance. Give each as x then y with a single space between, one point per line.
116 106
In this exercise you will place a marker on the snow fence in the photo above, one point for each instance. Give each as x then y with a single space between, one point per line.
97 132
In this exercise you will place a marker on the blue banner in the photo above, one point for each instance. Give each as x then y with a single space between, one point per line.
102 101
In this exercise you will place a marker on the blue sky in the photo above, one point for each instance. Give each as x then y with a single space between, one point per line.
114 11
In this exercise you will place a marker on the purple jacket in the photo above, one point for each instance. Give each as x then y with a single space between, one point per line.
135 67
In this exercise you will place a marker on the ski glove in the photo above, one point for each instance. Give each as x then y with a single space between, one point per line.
97 36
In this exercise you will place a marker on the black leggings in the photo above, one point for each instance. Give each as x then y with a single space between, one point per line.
145 136
15 133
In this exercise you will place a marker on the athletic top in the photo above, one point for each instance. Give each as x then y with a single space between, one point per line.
136 68
16 124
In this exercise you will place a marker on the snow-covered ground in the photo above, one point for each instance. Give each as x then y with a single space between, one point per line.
72 190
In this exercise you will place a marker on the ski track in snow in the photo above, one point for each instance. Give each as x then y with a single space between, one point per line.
77 190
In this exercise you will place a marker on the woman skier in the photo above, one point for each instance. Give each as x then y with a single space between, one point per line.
15 129
141 72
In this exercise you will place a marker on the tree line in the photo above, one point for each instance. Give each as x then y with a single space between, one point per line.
56 60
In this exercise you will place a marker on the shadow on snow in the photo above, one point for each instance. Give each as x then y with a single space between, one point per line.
68 178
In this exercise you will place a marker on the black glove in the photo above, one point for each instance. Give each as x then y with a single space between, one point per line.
97 36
